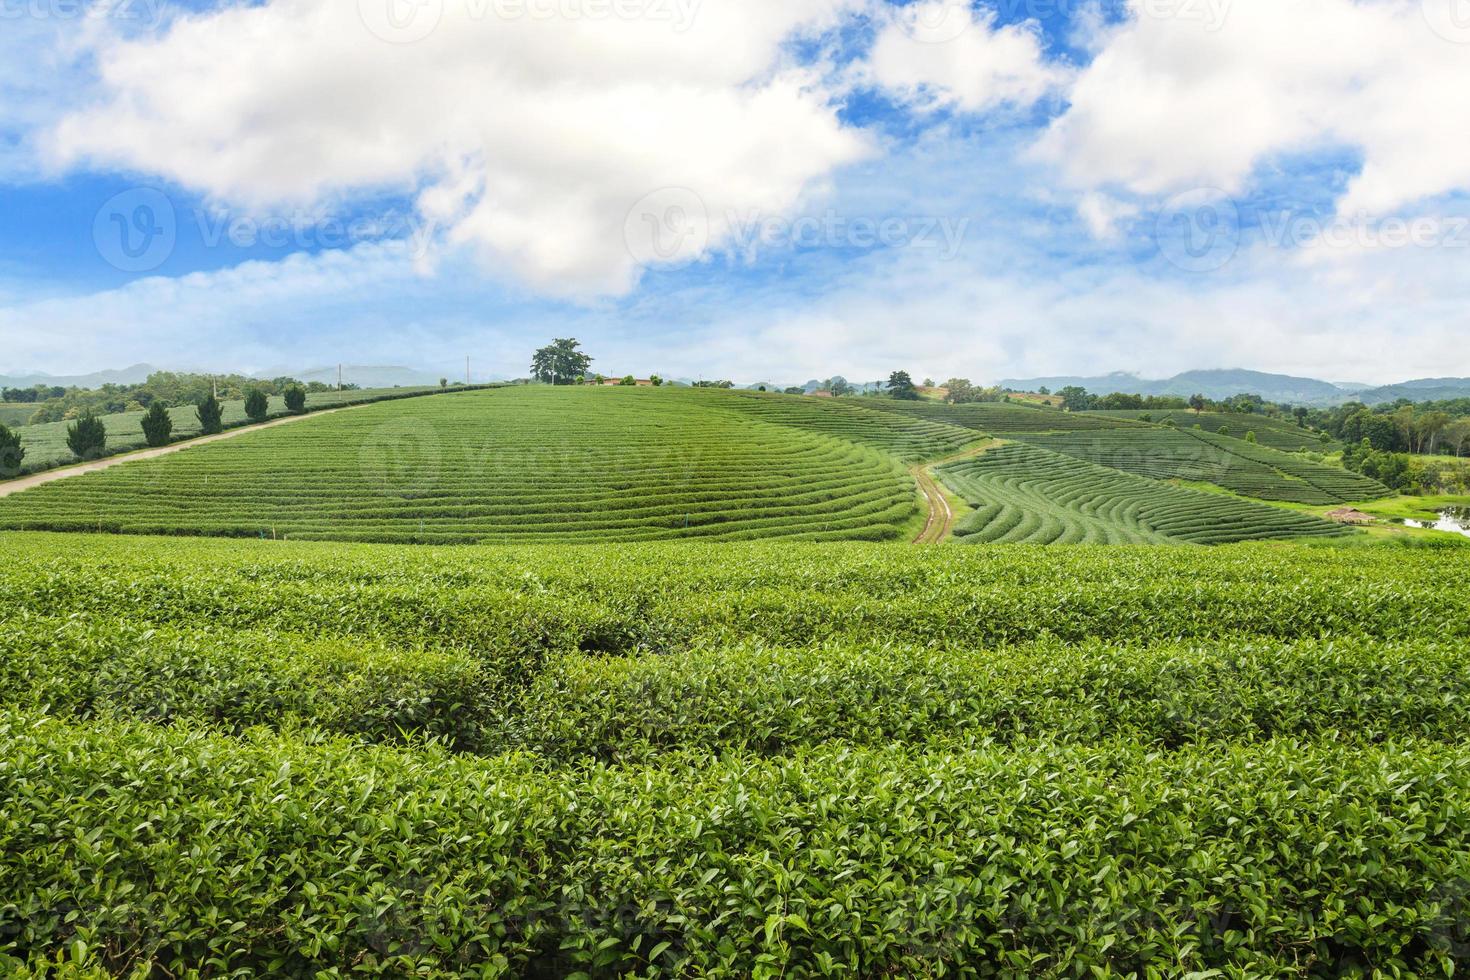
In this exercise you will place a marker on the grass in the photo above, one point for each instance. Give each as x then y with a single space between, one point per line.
569 464
993 418
730 760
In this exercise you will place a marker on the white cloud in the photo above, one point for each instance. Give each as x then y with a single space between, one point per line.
940 53
1103 213
527 130
1191 94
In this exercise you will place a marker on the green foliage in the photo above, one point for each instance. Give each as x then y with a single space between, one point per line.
256 406
628 381
12 455
295 398
1250 437
211 416
87 437
901 387
158 425
523 463
560 362
1025 494
279 856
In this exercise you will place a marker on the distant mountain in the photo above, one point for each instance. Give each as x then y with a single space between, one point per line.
1423 390
1212 384
136 374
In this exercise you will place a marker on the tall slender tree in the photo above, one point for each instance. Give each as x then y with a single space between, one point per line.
158 425
11 453
211 416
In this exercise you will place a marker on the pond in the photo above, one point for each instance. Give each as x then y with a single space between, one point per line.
1456 520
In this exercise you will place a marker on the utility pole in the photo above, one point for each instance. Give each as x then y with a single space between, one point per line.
467 369
339 377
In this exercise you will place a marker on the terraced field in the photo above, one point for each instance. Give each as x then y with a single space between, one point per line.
1179 454
45 444
736 760
909 438
1026 494
1334 481
515 464
999 419
1276 433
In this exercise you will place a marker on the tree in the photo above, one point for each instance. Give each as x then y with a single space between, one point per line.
928 382
443 383
793 390
87 436
256 406
1224 430
1197 402
1043 390
211 416
158 425
1075 398
656 381
901 387
1251 436
11 453
295 399
628 381
560 362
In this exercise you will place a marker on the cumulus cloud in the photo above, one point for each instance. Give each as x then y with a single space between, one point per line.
530 129
942 53
1199 93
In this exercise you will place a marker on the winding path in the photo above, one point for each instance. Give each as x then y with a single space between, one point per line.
940 517
61 473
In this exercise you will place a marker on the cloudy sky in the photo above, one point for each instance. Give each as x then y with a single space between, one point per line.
756 189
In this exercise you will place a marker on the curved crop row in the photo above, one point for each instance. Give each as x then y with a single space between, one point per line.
1276 433
1026 494
519 464
999 419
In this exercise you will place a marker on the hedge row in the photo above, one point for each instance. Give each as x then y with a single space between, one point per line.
183 850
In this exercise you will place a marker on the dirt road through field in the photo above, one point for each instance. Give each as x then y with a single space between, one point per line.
51 476
940 517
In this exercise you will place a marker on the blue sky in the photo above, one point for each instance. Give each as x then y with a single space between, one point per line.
758 189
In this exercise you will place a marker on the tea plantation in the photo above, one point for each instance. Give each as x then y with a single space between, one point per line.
765 759
511 464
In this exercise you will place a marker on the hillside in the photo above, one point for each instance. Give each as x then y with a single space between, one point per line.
1280 434
566 464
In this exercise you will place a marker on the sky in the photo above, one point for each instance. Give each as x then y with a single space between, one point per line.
761 190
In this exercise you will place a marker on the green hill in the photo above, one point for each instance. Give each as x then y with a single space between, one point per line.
1022 493
1280 434
523 464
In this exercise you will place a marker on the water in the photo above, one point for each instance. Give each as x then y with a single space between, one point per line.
1455 520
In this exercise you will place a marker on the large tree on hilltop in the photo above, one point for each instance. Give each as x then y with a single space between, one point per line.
560 362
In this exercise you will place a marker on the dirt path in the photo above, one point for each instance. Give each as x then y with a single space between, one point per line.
51 476
940 517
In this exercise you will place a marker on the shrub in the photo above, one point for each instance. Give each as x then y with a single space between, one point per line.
11 453
296 399
257 407
158 425
87 436
628 381
1251 437
211 416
